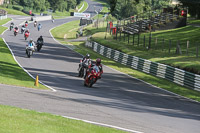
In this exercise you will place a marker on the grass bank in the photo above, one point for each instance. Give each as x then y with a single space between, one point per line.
14 12
162 83
159 51
2 22
10 72
15 120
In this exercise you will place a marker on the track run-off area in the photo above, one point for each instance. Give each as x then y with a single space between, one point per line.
116 99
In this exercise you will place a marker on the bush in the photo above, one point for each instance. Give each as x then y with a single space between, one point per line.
16 7
9 6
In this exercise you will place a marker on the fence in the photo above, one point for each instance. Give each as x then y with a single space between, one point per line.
3 14
175 75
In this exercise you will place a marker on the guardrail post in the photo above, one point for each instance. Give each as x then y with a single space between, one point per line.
149 41
187 51
133 39
138 39
170 43
144 42
197 50
163 43
156 41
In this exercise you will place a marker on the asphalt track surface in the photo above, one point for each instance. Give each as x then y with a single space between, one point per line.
116 99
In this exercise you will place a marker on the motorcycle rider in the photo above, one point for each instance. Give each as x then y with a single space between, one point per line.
40 39
39 26
16 30
23 29
11 25
35 23
26 23
98 64
85 62
31 45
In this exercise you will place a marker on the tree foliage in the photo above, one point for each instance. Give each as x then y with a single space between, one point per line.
126 8
42 5
193 7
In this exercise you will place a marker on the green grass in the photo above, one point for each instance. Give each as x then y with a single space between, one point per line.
104 10
85 7
4 21
11 73
162 83
69 31
14 12
194 21
187 62
15 120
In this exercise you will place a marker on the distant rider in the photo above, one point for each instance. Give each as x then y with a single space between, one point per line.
39 26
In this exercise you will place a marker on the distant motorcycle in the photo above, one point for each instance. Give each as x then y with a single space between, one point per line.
23 29
26 35
35 24
93 74
16 31
11 27
39 45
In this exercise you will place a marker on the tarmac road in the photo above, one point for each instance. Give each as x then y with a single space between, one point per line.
116 99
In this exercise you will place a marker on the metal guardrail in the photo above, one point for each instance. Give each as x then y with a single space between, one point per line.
175 75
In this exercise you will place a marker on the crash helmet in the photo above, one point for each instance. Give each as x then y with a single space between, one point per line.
87 56
40 36
98 61
31 40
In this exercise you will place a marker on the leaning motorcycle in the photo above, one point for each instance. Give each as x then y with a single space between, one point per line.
26 35
16 32
39 45
29 51
22 30
92 76
83 68
11 27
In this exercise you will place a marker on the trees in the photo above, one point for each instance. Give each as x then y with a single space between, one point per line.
42 5
193 7
127 8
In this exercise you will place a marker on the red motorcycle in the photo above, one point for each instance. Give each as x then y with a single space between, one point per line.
16 31
26 24
93 74
26 35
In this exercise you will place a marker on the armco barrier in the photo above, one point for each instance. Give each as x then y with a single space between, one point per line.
175 75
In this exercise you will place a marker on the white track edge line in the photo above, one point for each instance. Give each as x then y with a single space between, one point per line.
25 69
104 125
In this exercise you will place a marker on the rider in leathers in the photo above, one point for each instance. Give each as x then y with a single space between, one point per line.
86 61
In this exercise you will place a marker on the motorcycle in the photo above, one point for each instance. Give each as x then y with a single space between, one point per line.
83 68
11 27
26 24
35 24
26 35
29 50
39 45
22 30
92 75
16 31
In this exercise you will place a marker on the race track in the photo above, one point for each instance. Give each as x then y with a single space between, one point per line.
116 99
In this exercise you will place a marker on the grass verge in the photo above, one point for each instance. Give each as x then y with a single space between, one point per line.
14 12
4 21
10 72
162 83
85 7
15 120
